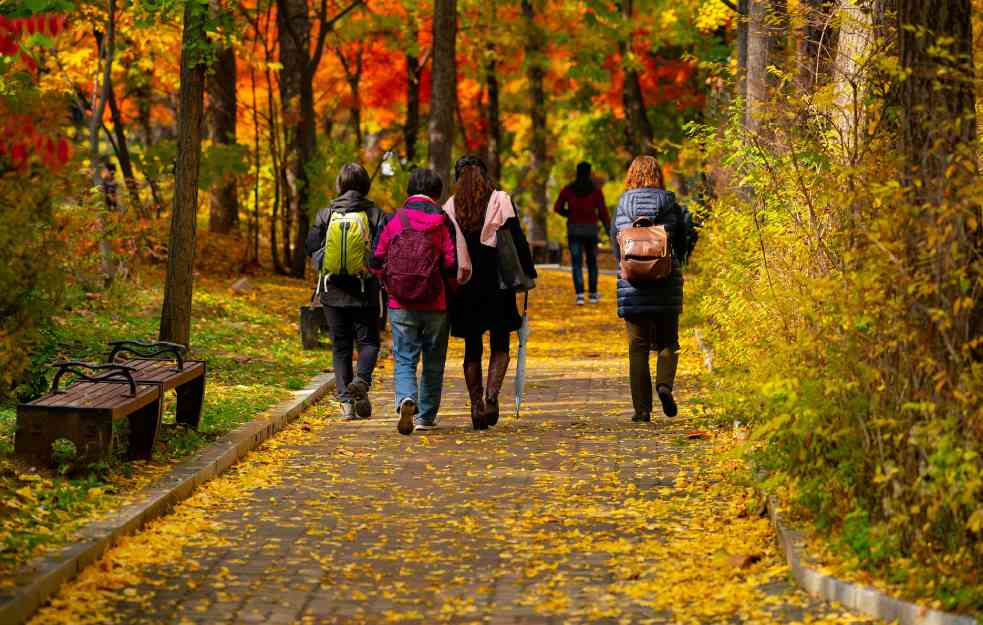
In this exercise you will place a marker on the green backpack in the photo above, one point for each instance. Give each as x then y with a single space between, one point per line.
346 245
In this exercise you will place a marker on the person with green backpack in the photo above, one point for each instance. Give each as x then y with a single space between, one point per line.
340 242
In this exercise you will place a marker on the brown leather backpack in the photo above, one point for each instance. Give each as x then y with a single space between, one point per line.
645 252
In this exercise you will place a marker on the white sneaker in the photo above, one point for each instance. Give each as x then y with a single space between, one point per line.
580 300
595 298
423 427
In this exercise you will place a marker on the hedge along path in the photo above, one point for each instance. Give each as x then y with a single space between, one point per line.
571 515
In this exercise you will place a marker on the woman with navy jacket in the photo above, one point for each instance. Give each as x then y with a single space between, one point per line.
651 309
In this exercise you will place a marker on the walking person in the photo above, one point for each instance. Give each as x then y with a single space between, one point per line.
415 256
582 203
650 307
486 304
340 241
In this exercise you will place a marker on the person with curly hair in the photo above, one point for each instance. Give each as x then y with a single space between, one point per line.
651 309
483 304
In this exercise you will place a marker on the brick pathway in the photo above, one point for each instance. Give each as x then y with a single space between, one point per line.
571 514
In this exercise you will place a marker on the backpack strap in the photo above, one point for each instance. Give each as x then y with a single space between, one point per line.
404 219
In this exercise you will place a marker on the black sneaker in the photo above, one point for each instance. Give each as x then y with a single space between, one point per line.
407 410
668 403
641 418
359 390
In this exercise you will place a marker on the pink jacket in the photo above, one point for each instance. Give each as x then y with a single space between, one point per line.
424 214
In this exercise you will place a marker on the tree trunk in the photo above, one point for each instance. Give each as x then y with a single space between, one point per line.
107 51
293 30
766 29
223 215
638 129
123 153
175 317
411 127
938 139
814 45
353 76
443 92
494 121
850 71
307 137
536 72
742 41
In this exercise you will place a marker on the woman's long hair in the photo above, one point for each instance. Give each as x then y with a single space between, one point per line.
644 172
471 194
584 184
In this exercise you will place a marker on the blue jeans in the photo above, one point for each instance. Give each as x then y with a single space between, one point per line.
579 247
419 333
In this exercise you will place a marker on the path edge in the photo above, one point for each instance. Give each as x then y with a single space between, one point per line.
858 597
97 536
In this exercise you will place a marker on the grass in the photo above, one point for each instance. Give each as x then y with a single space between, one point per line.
252 346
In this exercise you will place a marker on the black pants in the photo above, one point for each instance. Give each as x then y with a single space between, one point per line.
474 345
654 333
351 327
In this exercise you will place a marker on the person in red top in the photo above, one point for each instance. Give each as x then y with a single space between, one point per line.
582 203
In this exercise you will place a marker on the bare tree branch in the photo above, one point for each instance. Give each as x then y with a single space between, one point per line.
730 5
327 26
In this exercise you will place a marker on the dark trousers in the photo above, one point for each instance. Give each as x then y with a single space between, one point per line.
351 328
654 333
474 345
579 248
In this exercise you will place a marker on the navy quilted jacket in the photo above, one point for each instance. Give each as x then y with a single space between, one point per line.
650 298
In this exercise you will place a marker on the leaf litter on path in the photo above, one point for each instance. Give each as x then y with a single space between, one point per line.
572 514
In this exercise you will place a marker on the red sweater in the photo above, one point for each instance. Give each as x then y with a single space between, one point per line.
588 209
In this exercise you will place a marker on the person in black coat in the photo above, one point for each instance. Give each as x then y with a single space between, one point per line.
351 304
482 305
651 309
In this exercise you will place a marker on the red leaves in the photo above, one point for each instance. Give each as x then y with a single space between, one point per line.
23 136
20 139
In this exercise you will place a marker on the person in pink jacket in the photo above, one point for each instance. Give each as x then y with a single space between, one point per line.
416 258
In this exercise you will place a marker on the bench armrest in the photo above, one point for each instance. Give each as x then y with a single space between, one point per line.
115 372
146 349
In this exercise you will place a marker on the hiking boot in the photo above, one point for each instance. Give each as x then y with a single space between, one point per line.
641 418
594 298
580 299
359 390
348 411
668 403
407 410
472 377
498 366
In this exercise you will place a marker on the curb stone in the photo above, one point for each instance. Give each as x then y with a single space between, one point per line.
40 579
857 597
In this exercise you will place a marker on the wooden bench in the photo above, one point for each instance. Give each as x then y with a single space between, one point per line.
86 412
185 377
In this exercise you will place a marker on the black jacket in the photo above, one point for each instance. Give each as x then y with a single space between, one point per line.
481 305
651 298
340 291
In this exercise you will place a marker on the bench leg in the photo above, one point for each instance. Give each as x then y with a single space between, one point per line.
190 396
144 425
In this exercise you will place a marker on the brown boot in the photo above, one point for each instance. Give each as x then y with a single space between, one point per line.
498 366
472 378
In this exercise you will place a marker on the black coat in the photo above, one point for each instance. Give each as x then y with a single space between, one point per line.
645 299
480 305
341 291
